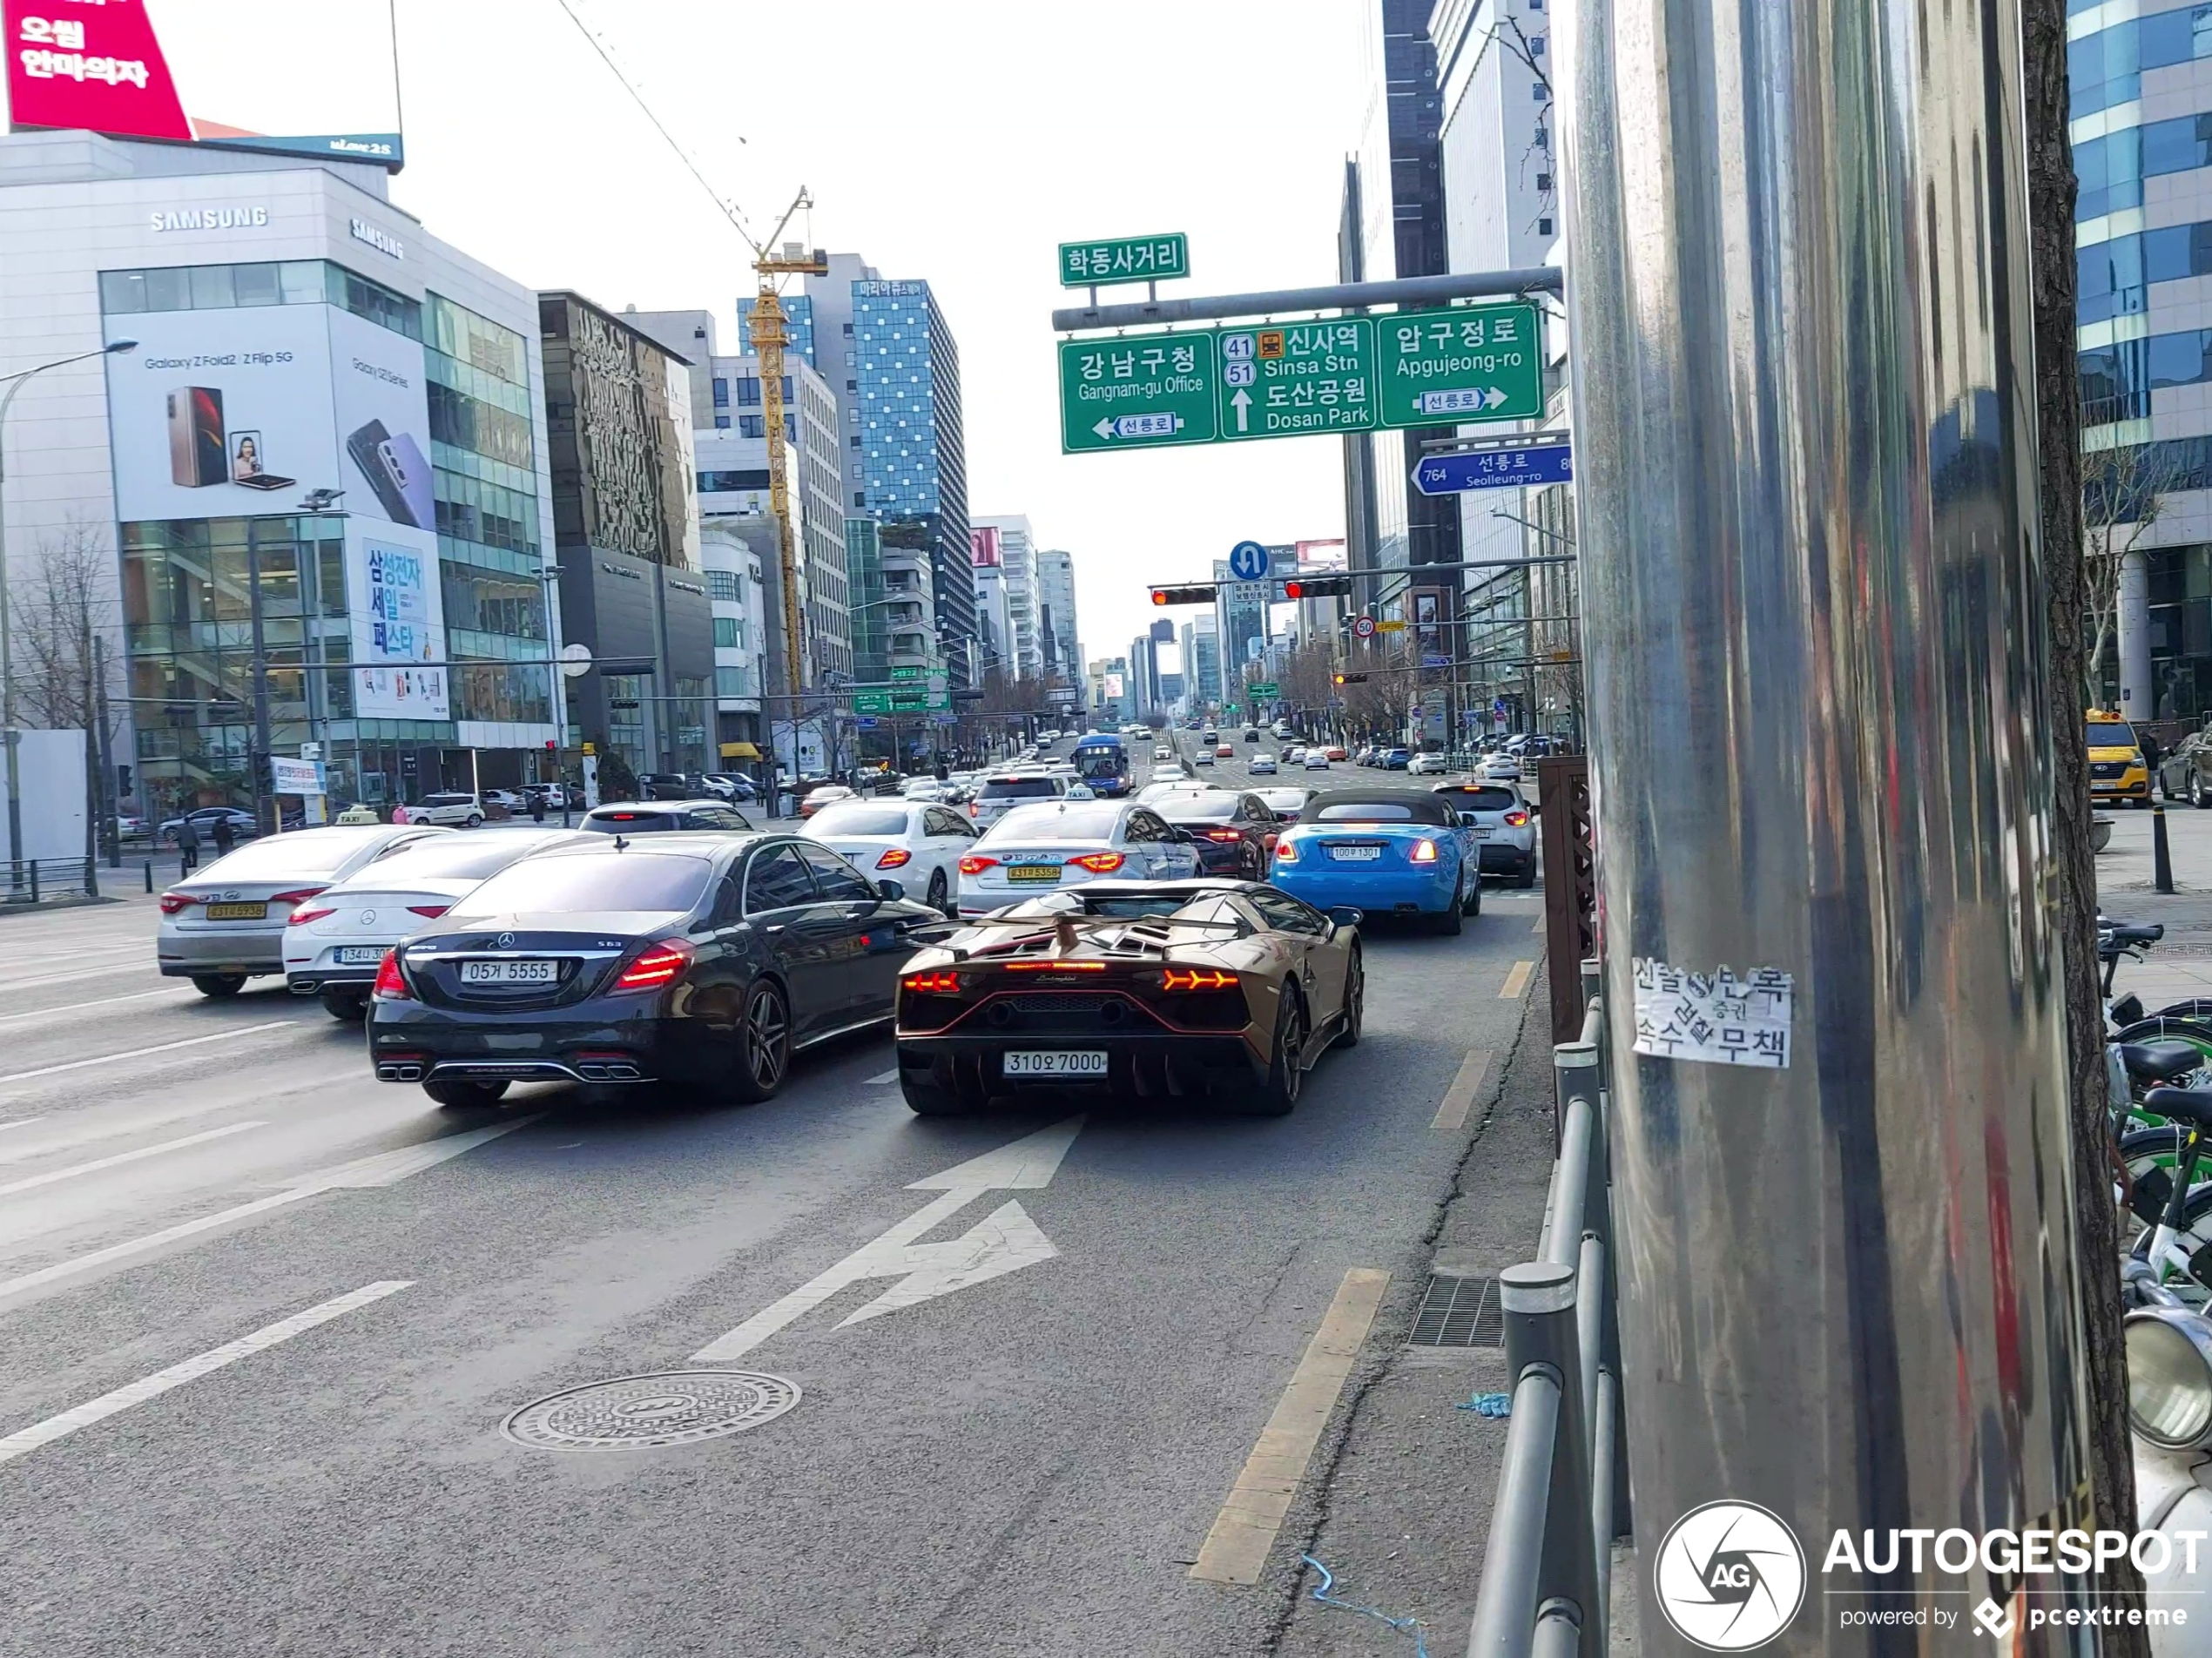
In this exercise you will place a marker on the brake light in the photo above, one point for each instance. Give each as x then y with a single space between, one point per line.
391 984
1285 852
894 857
302 917
971 808
298 895
1100 863
1225 836
1198 979
1055 967
1516 819
433 911
661 964
976 864
176 903
1424 852
943 982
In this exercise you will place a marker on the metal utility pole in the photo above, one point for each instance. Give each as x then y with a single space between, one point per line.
1820 731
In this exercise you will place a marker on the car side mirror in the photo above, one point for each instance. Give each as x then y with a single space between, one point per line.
1183 835
1345 915
893 891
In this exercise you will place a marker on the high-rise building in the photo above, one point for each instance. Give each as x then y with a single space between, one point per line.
730 437
1202 660
993 628
625 517
1018 559
1059 646
895 368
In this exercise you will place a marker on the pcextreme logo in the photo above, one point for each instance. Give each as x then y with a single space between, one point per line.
1730 1576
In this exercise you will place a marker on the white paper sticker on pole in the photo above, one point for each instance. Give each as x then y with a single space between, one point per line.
1715 1017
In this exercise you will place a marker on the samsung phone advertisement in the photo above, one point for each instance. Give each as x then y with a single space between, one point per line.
398 615
223 413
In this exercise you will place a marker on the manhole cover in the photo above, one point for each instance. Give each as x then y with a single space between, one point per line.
648 1413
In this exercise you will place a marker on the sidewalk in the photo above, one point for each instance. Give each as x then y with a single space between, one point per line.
2181 965
1405 1514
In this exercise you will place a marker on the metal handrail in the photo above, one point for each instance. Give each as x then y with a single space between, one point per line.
33 880
1563 1492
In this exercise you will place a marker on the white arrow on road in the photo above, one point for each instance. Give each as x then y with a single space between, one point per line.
1240 402
1003 1242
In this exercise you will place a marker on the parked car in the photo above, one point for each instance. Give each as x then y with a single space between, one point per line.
2185 772
203 822
1429 764
1063 843
1383 851
706 960
334 942
1233 831
664 817
450 810
225 923
729 786
1499 768
1395 760
666 785
1228 990
915 840
1503 830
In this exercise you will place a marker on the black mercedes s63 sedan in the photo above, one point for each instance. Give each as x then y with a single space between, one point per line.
702 959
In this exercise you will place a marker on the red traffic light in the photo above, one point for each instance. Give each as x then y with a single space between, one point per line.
1195 595
1317 587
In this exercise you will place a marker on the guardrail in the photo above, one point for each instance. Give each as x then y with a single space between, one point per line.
1563 1493
33 880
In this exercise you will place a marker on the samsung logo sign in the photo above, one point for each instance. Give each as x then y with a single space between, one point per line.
365 231
211 218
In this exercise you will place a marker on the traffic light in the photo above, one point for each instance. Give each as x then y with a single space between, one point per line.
1203 595
1317 587
1351 679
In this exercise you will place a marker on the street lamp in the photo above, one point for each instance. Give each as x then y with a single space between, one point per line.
7 663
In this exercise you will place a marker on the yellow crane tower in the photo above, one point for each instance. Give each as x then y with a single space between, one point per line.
765 328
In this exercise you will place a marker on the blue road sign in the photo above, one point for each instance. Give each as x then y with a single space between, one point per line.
1248 562
1522 466
1436 662
867 723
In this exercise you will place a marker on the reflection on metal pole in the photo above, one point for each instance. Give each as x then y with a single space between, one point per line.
1815 628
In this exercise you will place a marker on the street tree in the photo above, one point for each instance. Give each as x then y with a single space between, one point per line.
2123 494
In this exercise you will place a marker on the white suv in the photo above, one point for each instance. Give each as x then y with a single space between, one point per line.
1498 820
454 810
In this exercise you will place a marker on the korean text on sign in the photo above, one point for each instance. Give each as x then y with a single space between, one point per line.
1714 1018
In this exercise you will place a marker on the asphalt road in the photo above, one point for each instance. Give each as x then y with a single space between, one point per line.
1016 1464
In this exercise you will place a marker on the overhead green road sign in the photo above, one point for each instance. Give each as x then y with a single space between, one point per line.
1124 258
871 702
1264 688
908 673
1469 363
1299 377
1137 391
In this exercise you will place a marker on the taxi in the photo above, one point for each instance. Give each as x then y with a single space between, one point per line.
2117 768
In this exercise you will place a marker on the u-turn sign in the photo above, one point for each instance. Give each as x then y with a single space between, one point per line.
1248 562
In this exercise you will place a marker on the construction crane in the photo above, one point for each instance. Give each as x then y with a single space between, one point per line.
766 330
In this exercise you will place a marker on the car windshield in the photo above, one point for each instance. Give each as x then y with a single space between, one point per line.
607 880
305 853
454 857
1099 762
1199 808
860 821
1019 789
1075 822
2111 733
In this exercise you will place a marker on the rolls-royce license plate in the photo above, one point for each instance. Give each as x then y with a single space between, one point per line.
1054 1063
1356 854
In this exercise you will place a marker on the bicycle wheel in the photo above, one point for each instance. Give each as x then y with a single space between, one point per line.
2195 1007
2159 1028
2193 1238
2149 1154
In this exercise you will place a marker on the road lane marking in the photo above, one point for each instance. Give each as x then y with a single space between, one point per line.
1236 1547
1459 1097
384 1170
1517 984
104 1001
891 1075
97 1163
292 1089
20 1122
1004 1242
140 1053
1542 921
57 1427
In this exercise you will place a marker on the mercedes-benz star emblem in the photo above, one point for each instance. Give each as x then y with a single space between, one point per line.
505 940
368 917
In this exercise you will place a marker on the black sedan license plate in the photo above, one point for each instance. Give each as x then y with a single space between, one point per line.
521 973
1054 1063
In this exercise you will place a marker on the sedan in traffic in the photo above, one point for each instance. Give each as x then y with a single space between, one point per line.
1232 832
1177 991
705 959
1383 851
1316 760
1067 843
226 922
916 841
1262 766
334 942
664 817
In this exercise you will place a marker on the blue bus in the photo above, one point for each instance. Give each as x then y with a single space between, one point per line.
1101 761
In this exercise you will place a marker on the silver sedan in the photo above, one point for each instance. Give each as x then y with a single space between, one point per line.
225 924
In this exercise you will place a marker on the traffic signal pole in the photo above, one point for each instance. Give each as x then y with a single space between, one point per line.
1815 625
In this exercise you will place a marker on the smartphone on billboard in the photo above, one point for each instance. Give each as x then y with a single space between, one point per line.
396 471
197 456
246 467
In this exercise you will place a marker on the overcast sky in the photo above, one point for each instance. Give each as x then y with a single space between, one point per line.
957 140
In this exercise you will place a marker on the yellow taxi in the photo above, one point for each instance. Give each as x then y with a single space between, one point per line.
2117 768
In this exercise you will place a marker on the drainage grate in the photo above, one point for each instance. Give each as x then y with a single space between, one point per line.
1459 1312
649 1413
